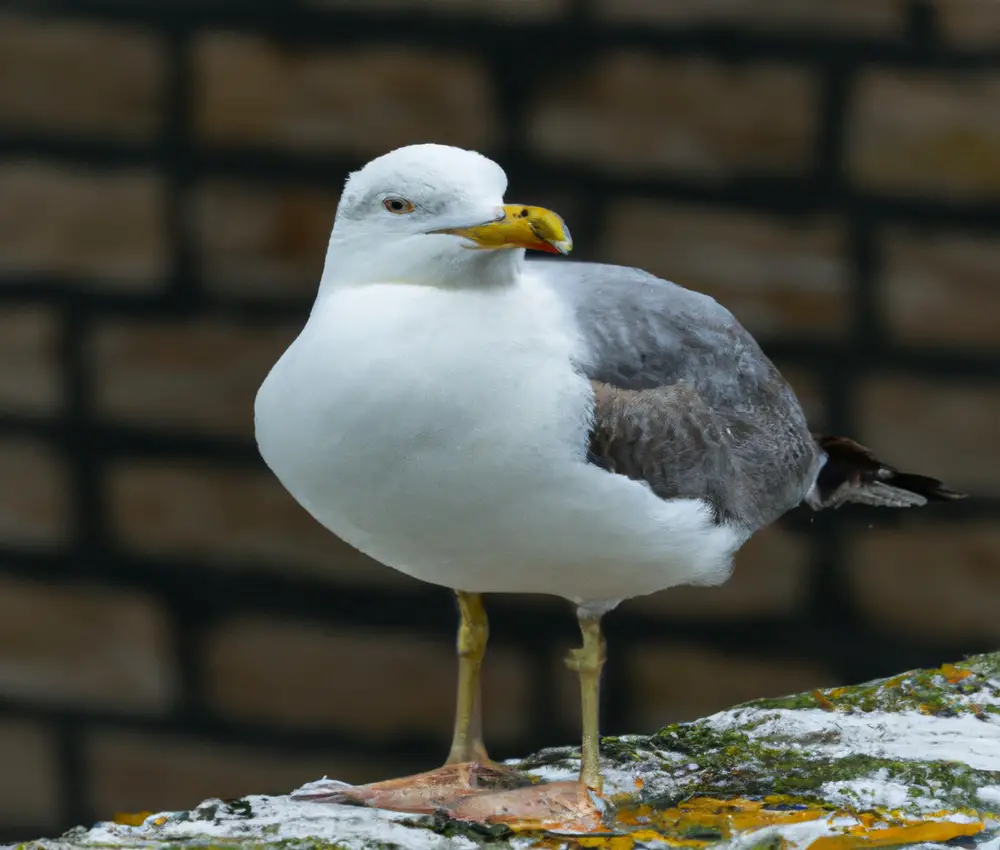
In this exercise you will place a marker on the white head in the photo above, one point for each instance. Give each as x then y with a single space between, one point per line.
434 215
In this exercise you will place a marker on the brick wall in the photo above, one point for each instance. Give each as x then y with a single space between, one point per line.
173 626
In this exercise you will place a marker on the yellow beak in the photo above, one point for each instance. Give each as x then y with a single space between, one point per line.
521 227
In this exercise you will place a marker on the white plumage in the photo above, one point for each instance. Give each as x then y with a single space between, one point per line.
433 412
495 425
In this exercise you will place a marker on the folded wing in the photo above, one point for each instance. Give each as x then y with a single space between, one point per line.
686 401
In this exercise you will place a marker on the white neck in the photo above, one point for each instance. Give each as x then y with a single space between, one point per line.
425 260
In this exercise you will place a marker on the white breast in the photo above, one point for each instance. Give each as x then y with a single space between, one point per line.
444 433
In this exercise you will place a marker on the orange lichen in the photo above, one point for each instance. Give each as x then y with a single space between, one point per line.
917 832
702 815
130 818
823 702
609 842
953 675
700 821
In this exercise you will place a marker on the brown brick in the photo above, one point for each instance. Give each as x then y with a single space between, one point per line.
29 360
363 100
263 241
199 375
637 113
57 220
777 277
770 578
969 23
929 579
84 645
854 16
377 684
127 772
514 10
34 508
941 288
226 518
672 683
947 430
29 779
83 77
919 133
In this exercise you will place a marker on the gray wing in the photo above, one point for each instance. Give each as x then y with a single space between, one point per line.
685 398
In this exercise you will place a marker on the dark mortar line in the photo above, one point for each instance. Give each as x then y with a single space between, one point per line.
301 27
971 366
72 773
776 193
217 594
189 618
191 621
547 724
923 26
870 338
618 703
88 509
828 601
420 750
88 516
175 150
836 93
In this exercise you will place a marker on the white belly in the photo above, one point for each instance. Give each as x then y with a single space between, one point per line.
444 434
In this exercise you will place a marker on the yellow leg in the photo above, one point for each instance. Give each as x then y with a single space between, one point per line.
588 661
469 786
473 632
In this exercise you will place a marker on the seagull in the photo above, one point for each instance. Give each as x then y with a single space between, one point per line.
494 424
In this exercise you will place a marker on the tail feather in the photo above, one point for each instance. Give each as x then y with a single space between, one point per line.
853 474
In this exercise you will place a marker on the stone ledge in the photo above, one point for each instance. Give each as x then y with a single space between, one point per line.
909 760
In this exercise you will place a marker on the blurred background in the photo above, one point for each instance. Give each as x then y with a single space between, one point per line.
174 627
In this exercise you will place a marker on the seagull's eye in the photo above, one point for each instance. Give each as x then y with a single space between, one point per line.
398 206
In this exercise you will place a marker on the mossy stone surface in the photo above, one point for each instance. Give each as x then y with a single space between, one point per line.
911 759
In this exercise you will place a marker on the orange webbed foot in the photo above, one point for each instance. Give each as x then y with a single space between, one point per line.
549 807
425 793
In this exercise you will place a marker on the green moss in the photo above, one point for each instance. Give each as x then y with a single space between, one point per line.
793 701
946 691
696 738
244 844
547 757
224 844
986 665
450 828
623 750
734 763
298 844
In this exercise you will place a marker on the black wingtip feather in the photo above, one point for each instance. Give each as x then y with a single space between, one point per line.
852 467
930 488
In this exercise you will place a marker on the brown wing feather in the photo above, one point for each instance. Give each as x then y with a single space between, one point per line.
671 439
